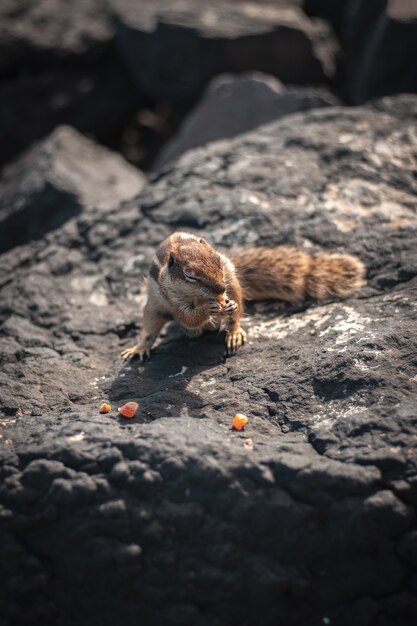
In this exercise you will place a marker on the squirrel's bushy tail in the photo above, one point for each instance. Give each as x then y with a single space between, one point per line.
293 275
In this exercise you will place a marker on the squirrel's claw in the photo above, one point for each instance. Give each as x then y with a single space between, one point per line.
230 307
235 340
215 308
142 353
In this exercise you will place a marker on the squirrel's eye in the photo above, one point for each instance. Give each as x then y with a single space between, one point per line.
192 279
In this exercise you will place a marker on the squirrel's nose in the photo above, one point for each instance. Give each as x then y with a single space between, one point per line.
219 288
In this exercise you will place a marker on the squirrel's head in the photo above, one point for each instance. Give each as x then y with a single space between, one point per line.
195 267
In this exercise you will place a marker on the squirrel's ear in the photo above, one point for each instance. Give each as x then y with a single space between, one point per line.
171 260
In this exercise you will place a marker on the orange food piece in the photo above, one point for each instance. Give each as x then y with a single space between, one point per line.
129 409
239 422
105 408
221 300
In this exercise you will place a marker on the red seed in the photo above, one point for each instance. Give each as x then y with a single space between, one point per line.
129 409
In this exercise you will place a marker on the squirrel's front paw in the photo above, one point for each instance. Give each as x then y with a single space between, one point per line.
234 340
225 307
215 308
230 307
140 351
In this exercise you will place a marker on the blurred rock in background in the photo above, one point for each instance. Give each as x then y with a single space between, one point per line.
58 64
174 49
126 72
54 179
235 103
379 43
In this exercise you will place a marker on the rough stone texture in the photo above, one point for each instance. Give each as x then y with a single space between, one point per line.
173 50
308 517
55 180
379 42
234 104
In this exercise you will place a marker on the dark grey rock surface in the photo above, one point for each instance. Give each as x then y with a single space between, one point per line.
57 179
308 517
236 103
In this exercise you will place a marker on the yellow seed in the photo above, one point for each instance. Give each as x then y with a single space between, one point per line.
105 408
239 422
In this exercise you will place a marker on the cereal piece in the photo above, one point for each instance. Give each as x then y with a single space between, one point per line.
222 301
239 422
129 409
105 408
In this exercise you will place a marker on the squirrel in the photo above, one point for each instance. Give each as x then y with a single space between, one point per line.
203 289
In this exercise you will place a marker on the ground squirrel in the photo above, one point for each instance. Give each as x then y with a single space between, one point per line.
202 289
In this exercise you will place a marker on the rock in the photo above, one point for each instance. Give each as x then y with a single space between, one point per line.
55 180
332 11
315 521
59 65
43 33
234 104
379 42
181 46
97 98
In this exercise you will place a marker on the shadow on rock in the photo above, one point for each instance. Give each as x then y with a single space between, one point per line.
160 384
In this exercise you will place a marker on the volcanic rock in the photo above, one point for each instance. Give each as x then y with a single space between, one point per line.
55 180
234 104
172 517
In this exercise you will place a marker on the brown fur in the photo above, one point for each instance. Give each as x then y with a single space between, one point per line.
283 273
293 275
